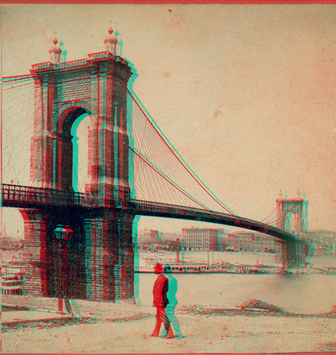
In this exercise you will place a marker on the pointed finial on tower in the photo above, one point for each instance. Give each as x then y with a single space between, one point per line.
64 51
280 193
55 52
299 193
111 41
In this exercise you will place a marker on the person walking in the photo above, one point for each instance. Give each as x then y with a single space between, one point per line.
160 301
172 302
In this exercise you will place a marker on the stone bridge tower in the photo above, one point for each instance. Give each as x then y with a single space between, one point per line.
100 255
293 253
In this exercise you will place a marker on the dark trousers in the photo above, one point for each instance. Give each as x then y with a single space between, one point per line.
161 318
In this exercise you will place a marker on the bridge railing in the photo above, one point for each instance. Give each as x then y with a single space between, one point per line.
169 208
27 195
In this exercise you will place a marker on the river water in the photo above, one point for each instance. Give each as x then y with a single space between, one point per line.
303 293
299 293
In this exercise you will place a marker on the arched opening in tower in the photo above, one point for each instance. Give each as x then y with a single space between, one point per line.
79 132
292 222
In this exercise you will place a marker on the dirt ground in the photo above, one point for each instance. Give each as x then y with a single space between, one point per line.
127 328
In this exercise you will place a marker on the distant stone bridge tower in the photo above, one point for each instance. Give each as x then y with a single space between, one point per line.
100 255
293 252
286 207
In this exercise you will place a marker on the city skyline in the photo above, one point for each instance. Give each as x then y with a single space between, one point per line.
244 93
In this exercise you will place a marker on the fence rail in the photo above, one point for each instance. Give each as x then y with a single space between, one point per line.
21 196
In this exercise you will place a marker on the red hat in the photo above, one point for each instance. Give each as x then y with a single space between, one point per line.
158 268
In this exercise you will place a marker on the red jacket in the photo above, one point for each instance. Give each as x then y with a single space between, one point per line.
160 291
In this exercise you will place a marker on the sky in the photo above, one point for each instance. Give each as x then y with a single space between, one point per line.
245 93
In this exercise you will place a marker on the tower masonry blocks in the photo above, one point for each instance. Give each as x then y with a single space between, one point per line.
98 87
109 261
36 250
99 259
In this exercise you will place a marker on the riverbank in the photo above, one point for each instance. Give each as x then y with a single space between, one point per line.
126 328
231 262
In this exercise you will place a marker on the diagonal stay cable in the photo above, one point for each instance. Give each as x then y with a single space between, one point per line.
19 151
17 137
167 178
178 156
269 215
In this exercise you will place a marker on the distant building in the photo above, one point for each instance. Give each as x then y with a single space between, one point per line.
252 242
203 239
321 242
149 236
171 236
222 236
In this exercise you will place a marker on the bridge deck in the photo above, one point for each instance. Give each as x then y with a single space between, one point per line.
32 197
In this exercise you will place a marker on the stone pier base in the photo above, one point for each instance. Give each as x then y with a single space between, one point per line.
99 259
36 251
293 255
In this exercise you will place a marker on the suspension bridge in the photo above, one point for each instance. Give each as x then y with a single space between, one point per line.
132 170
